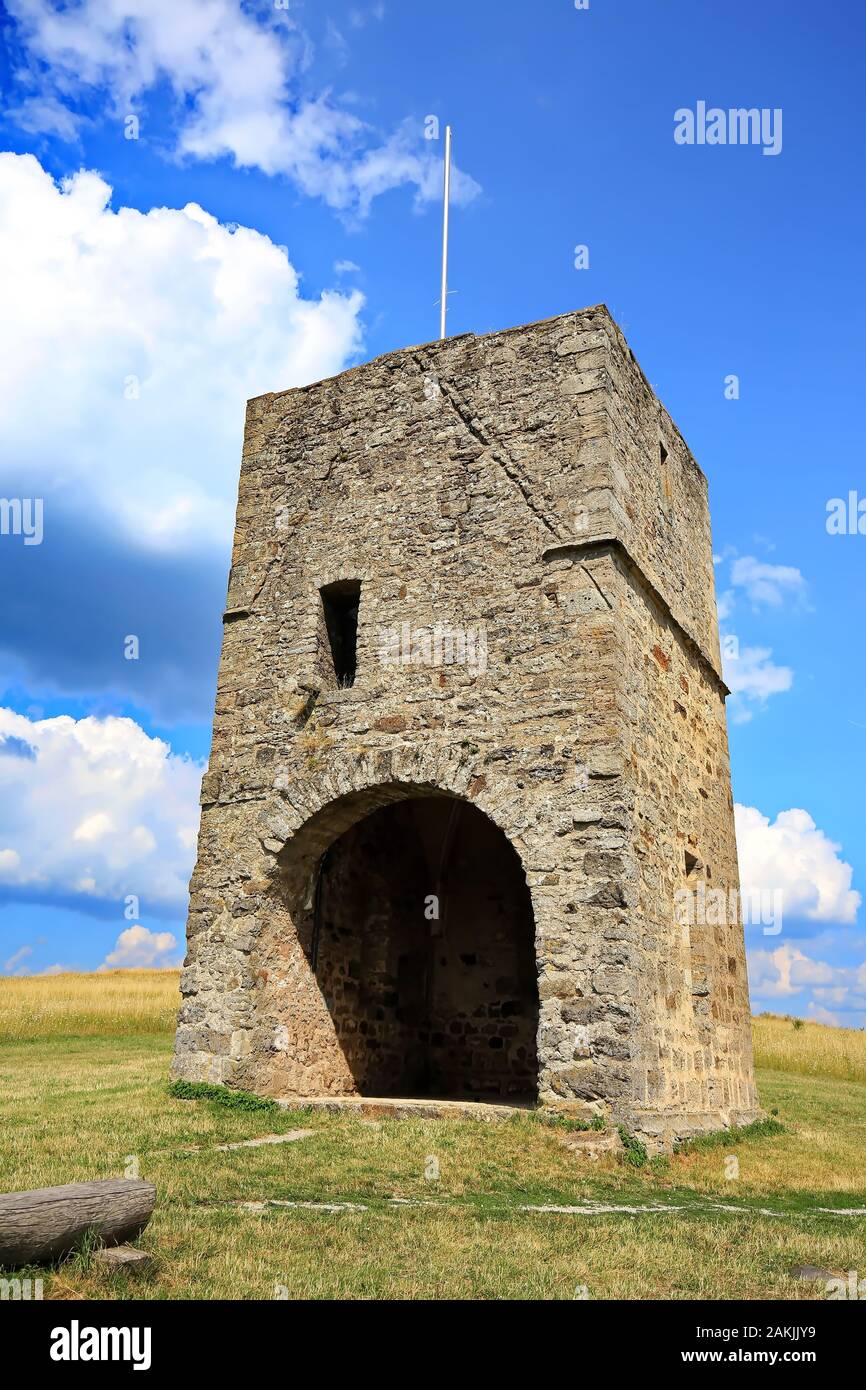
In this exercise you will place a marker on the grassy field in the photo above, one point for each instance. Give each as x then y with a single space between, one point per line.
113 1003
83 1094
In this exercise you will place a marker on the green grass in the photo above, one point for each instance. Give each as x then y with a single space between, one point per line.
222 1096
634 1152
730 1138
74 1108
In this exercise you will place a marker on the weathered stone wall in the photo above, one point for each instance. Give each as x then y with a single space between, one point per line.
695 1044
514 481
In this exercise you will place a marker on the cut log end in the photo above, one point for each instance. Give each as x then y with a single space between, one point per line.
39 1226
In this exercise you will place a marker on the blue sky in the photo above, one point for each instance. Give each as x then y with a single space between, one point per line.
135 337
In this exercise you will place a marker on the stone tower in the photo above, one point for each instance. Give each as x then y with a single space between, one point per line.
470 746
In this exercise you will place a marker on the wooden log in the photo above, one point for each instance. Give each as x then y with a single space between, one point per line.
38 1226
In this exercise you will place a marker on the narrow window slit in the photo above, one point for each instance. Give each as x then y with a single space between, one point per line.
340 602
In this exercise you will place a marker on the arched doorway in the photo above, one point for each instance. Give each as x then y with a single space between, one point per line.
422 944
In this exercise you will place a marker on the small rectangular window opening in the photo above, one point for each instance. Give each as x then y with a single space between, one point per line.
340 602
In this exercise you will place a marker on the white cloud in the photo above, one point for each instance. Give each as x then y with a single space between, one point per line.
240 84
767 584
753 677
335 40
358 17
750 672
137 947
398 161
787 971
170 308
14 965
135 802
45 115
819 1014
793 856
94 827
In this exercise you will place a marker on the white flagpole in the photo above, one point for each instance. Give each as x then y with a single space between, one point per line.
444 301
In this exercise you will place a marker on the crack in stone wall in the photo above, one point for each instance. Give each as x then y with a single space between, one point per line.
471 422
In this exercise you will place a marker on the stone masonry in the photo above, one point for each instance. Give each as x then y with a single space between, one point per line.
469 743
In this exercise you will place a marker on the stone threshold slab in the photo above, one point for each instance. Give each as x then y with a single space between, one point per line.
377 1108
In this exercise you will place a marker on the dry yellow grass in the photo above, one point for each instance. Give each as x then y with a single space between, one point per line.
809 1049
120 1003
113 1003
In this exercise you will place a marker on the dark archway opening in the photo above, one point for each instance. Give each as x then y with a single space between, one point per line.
423 946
